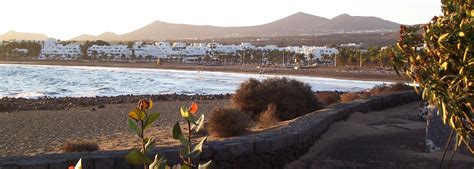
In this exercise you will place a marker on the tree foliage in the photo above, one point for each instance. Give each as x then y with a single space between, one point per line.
439 59
7 47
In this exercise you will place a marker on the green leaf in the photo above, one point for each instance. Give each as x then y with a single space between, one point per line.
444 66
150 145
132 124
205 165
178 135
158 163
193 154
136 157
177 131
444 112
184 152
464 59
191 119
150 119
184 112
198 147
442 37
199 123
396 69
186 166
137 114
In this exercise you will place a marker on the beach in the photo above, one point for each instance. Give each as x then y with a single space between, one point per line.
369 74
34 132
44 125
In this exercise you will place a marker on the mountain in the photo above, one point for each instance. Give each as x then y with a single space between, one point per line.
294 25
349 23
162 30
84 37
22 36
106 36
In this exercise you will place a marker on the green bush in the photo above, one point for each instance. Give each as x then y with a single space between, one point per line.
227 122
292 98
438 57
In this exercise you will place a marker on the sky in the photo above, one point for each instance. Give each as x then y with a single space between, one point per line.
66 19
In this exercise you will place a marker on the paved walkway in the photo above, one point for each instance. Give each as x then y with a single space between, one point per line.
392 138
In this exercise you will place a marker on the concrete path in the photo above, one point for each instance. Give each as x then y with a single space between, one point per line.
392 138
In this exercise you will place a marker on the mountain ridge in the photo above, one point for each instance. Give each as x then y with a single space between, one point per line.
14 35
297 24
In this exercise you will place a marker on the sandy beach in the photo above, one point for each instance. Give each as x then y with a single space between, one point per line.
370 74
33 132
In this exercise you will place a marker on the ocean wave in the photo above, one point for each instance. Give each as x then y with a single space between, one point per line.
61 81
30 95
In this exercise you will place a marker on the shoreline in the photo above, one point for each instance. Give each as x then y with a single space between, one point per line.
63 103
364 74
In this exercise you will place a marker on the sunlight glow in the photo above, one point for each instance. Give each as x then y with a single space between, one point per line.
66 19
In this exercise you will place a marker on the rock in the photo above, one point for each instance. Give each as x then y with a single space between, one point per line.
10 166
104 163
263 146
221 153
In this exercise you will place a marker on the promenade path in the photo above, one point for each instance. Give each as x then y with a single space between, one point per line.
391 138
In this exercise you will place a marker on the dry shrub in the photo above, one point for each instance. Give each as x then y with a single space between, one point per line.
387 89
328 98
227 122
293 98
79 146
268 117
364 95
349 96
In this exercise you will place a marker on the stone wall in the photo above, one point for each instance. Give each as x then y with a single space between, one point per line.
270 149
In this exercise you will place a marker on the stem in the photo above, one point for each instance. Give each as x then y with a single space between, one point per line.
452 155
142 136
189 139
446 148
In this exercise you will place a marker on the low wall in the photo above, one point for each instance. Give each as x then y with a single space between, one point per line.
270 149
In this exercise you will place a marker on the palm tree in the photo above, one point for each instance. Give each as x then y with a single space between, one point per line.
311 56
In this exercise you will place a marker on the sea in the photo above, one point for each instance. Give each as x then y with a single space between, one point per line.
34 81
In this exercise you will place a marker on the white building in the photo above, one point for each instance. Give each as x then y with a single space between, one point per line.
197 49
51 49
179 46
319 52
20 50
247 46
109 52
351 45
269 48
227 49
157 50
